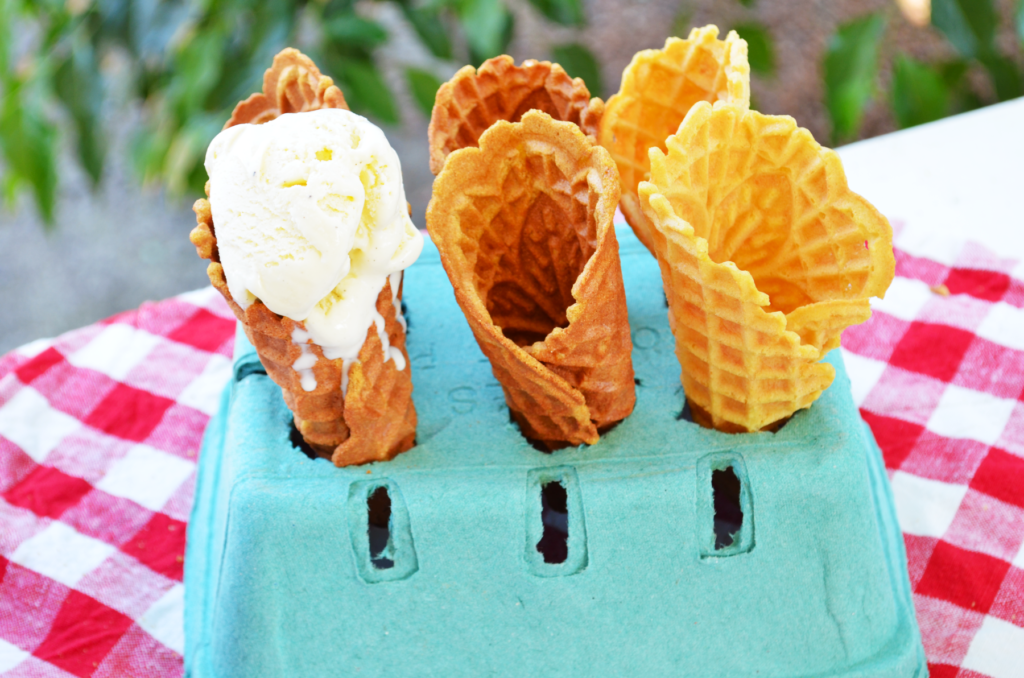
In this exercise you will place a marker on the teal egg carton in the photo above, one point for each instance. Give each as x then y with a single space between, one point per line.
482 556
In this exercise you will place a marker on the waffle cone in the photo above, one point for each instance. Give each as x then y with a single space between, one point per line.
374 419
524 228
473 100
766 256
658 89
292 84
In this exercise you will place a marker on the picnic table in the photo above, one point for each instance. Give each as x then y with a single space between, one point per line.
100 429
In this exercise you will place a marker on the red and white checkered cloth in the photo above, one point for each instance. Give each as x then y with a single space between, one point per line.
99 431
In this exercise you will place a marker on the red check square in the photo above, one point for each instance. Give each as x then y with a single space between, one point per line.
935 350
47 492
988 285
1001 475
84 631
36 366
129 413
895 437
204 330
160 545
969 579
942 671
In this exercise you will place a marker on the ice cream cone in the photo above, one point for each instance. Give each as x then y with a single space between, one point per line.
362 416
523 224
292 84
766 256
473 100
658 88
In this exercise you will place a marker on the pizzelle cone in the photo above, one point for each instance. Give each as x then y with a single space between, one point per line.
473 100
375 419
766 257
524 228
658 89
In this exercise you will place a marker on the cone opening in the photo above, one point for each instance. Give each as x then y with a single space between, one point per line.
766 199
473 101
659 88
534 248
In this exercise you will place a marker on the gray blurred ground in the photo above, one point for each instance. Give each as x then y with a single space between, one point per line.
123 245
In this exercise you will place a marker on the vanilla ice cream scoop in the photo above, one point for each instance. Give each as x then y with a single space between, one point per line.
311 219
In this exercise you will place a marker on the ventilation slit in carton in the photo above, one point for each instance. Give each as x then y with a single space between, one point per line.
554 543
378 530
726 486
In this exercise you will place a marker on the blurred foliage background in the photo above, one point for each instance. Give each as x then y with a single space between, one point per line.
107 106
187 62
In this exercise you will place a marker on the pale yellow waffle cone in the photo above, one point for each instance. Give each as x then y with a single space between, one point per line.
374 419
524 228
658 89
766 256
474 99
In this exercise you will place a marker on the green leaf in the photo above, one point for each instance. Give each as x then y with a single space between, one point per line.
152 24
356 31
919 93
851 65
366 91
430 26
747 3
197 69
1005 75
183 164
29 144
485 23
579 62
148 150
79 86
565 12
760 48
7 17
423 85
969 24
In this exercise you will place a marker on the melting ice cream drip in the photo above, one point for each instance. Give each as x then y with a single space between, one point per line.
396 283
390 352
346 365
304 364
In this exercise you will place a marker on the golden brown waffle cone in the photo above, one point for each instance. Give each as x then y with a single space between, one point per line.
766 256
658 88
524 228
292 84
375 419
473 100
